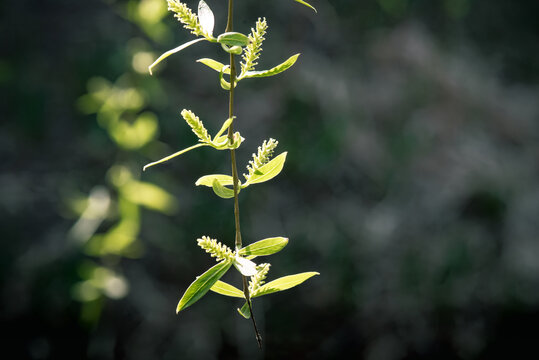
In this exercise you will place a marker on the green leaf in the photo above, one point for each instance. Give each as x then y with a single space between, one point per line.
236 49
273 71
244 311
167 158
284 283
214 64
173 51
268 171
225 126
225 84
264 247
233 39
222 191
226 289
245 266
207 180
306 4
202 285
206 18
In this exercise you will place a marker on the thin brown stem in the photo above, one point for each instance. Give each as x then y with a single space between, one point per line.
235 179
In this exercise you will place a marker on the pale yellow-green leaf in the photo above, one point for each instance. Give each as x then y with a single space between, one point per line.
214 64
173 51
306 4
268 171
207 180
264 247
284 283
233 39
273 71
167 158
226 289
245 266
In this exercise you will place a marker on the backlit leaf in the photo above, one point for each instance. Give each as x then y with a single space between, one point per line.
273 71
306 4
268 171
233 39
284 283
226 289
244 311
206 18
264 247
173 51
214 64
245 267
202 285
222 191
207 180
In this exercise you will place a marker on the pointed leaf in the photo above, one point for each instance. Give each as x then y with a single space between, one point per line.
233 39
214 64
225 84
225 126
207 180
284 283
245 267
166 158
264 247
306 4
222 191
173 51
226 289
202 285
244 311
206 18
268 171
273 71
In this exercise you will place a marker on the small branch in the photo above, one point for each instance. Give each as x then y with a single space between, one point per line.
235 179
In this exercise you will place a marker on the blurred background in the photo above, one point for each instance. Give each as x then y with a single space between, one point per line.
411 184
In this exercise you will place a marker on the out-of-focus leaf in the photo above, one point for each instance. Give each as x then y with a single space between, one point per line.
226 289
207 180
268 171
222 191
173 51
264 247
206 18
202 285
233 39
273 71
284 283
306 4
149 195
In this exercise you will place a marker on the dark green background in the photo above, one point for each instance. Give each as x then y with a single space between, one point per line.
411 184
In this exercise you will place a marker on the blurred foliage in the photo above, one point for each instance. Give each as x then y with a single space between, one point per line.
411 181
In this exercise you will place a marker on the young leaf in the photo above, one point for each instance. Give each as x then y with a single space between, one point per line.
306 4
173 51
268 171
167 158
206 18
202 285
245 267
225 126
284 283
244 311
264 247
233 39
214 64
222 191
207 180
273 71
226 289
225 84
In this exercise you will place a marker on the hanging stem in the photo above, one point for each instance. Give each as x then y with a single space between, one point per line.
235 180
